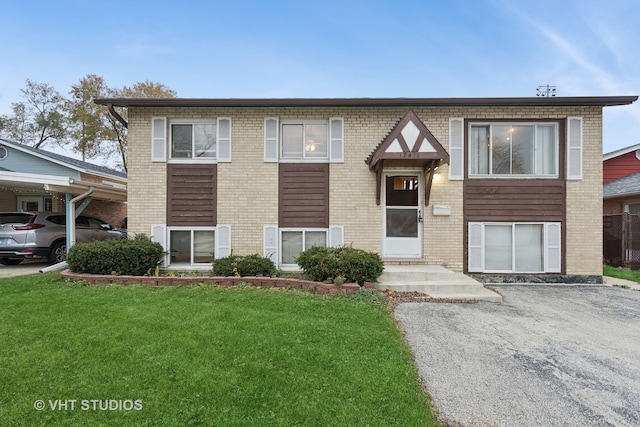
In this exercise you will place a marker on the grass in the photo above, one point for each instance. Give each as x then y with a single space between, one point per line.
201 355
621 273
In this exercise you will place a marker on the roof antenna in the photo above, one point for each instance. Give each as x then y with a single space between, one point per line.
546 91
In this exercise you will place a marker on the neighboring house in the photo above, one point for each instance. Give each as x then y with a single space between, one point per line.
488 186
33 179
620 163
621 178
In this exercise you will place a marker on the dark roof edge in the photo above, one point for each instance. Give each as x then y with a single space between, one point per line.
603 101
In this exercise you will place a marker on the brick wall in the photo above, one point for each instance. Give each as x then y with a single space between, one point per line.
7 200
248 187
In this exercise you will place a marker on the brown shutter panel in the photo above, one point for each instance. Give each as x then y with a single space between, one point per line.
192 194
303 196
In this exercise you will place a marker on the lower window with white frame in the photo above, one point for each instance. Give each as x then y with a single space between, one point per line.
191 245
294 241
514 247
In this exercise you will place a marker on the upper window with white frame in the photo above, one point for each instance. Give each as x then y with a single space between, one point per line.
304 140
513 150
192 139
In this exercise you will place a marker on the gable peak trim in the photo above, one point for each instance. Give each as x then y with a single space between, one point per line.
408 140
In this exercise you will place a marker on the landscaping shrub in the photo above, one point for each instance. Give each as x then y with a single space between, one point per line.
344 264
249 265
135 257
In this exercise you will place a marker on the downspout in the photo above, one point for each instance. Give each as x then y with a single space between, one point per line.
72 214
71 231
117 116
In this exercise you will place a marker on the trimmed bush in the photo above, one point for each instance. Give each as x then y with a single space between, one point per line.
342 264
249 265
134 257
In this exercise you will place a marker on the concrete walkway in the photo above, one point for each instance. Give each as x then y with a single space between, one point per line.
22 269
622 283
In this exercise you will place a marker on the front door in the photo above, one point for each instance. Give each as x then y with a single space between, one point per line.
402 217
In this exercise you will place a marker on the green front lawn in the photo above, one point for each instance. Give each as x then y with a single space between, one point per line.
621 273
200 355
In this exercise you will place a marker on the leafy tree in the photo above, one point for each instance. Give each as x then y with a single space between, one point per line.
89 124
45 116
39 119
95 131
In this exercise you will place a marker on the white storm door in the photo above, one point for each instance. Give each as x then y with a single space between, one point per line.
402 227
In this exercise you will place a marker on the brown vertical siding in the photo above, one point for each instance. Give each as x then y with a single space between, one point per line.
192 194
303 196
514 200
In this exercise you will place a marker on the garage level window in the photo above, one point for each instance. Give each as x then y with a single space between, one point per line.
514 247
294 242
190 246
513 149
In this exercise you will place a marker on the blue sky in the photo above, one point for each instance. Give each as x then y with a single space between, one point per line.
335 48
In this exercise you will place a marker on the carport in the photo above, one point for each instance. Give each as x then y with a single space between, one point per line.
75 191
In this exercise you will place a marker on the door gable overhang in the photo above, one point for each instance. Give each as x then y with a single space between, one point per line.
409 144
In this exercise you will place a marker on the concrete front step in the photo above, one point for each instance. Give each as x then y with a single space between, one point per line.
435 281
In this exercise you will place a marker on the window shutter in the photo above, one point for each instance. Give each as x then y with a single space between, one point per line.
574 148
553 254
456 148
336 140
223 241
224 139
271 139
336 236
270 243
476 247
158 139
159 235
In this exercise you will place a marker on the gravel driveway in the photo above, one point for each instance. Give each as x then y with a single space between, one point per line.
547 356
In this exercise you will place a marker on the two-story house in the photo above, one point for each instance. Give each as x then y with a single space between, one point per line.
486 186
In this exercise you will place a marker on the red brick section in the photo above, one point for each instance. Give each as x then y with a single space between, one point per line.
276 282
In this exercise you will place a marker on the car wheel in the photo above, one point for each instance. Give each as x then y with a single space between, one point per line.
10 261
58 253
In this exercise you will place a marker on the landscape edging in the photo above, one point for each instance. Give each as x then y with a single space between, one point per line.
160 281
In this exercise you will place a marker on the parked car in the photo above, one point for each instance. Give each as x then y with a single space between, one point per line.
26 235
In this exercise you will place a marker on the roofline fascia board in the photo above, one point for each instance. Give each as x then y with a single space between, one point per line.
617 196
620 152
602 101
29 178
